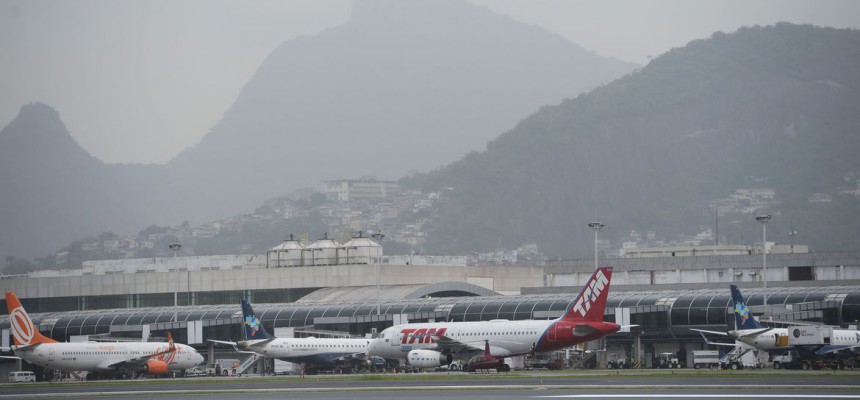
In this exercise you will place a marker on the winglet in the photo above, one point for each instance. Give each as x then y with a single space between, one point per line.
24 332
590 304
743 317
253 327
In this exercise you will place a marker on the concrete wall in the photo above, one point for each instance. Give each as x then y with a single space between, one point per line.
502 279
834 267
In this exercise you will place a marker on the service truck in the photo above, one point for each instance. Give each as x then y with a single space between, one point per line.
706 359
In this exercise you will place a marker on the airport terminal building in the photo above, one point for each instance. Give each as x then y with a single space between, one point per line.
364 292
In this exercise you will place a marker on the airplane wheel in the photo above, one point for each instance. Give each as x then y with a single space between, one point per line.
735 366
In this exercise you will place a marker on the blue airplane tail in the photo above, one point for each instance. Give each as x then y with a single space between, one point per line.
253 328
743 317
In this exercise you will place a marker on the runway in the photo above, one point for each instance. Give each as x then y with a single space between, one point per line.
519 385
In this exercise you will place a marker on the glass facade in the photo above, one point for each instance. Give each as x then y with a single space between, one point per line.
658 313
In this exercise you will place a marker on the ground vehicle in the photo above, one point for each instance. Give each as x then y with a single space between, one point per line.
223 367
22 376
706 359
739 359
667 360
790 359
196 371
616 361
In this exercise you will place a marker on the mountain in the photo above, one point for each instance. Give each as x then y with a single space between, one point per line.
405 85
773 107
53 190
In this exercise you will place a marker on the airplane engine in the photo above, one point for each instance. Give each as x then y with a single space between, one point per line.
427 359
155 367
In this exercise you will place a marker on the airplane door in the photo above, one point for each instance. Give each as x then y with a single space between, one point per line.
397 339
551 335
51 354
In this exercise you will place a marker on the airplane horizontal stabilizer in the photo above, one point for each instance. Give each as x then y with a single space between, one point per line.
755 332
711 332
222 342
583 330
705 339
259 341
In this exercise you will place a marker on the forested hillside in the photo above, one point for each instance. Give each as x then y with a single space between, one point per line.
765 107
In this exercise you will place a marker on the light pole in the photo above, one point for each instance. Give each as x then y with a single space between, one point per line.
175 246
377 237
596 225
791 235
764 220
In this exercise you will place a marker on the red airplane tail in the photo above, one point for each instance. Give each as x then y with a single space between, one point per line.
24 333
590 304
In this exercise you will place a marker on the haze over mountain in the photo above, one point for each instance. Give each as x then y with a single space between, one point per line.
405 85
53 190
775 107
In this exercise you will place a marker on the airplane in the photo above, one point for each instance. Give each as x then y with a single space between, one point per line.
487 361
748 331
315 353
151 358
429 345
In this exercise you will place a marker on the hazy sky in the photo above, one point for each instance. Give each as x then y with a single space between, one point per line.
138 81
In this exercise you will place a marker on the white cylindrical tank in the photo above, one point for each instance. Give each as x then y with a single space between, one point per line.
360 250
322 252
290 253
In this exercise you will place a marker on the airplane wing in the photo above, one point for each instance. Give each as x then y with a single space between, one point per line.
11 357
446 343
460 349
144 358
834 349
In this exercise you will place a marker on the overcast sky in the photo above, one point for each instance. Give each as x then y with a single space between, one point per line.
138 81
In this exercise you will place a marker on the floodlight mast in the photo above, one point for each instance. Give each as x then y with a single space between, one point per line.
596 225
764 219
175 246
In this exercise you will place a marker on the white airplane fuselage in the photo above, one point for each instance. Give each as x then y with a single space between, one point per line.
307 350
100 356
432 344
767 340
505 337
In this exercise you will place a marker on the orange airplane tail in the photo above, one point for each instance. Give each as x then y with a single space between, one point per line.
24 333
